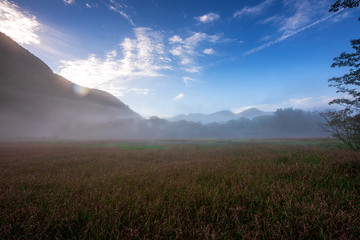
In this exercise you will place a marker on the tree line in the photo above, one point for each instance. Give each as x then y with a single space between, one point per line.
283 123
344 124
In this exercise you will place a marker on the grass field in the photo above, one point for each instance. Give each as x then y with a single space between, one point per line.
209 189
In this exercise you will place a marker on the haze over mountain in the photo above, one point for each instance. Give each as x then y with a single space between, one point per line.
35 102
220 117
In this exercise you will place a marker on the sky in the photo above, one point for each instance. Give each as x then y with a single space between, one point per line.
163 58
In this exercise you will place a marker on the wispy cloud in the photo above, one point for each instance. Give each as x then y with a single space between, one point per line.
146 55
20 26
317 103
310 103
207 18
297 14
113 5
300 16
141 91
262 107
39 38
143 56
303 12
255 10
286 35
122 13
209 51
340 17
196 38
69 2
273 19
175 39
119 8
178 97
187 80
192 69
186 50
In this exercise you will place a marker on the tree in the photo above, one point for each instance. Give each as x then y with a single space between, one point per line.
344 127
344 124
349 83
344 4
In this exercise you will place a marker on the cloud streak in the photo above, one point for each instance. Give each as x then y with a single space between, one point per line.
69 2
317 103
178 97
290 26
207 18
146 55
19 26
119 8
185 50
112 5
142 91
255 10
209 51
142 56
187 80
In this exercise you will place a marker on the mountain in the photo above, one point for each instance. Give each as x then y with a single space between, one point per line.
219 117
35 102
222 116
252 113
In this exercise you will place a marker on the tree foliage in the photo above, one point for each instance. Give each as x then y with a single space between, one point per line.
344 4
349 83
344 127
344 124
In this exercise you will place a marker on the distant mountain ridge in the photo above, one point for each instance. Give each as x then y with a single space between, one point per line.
219 117
36 102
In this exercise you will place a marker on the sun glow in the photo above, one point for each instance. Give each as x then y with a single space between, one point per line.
19 26
79 90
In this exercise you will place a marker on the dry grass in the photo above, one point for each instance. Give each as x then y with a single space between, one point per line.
179 190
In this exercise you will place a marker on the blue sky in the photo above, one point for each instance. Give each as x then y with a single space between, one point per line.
165 57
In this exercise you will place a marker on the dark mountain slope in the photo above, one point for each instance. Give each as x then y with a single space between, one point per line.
35 102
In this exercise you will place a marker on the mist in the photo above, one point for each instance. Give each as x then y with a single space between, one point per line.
284 123
38 104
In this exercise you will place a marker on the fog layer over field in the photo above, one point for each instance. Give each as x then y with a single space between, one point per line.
36 103
283 123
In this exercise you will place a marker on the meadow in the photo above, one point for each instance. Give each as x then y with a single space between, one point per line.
205 189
